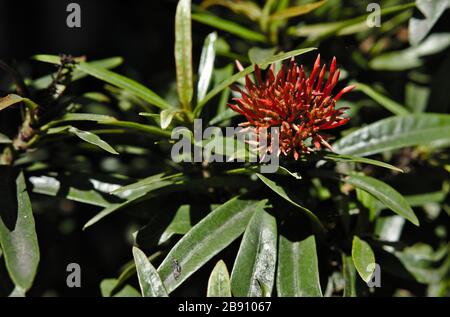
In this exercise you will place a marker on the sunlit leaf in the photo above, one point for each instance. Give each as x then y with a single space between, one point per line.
253 272
207 238
298 269
219 281
363 258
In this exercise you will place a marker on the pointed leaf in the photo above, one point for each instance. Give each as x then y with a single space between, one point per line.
219 281
207 238
296 10
282 193
254 268
206 67
363 258
228 26
395 133
384 101
384 193
18 238
125 83
349 273
166 117
298 270
183 53
149 280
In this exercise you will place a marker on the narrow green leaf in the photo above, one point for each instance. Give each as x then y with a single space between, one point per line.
246 71
282 193
149 280
384 193
12 99
112 78
206 67
349 158
107 285
254 268
219 281
394 133
68 186
183 53
247 8
228 26
207 238
349 273
18 238
296 10
384 101
45 81
166 117
86 136
258 55
147 129
363 258
298 269
125 83
130 196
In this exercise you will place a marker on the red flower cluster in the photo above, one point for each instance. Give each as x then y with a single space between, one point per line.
302 107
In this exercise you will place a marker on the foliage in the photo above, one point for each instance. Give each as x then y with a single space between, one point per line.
313 228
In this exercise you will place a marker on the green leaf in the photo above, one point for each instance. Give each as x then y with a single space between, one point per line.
349 273
45 81
207 238
254 268
432 10
355 159
125 83
228 26
219 281
319 32
166 117
107 285
114 79
384 101
86 136
384 193
411 57
130 196
70 117
282 193
84 189
18 238
12 99
247 71
247 8
363 258
258 55
149 280
206 67
180 224
298 270
139 127
183 53
395 133
296 10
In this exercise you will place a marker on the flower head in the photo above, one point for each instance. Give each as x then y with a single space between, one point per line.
301 107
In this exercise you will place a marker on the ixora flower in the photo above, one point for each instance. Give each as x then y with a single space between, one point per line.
301 107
